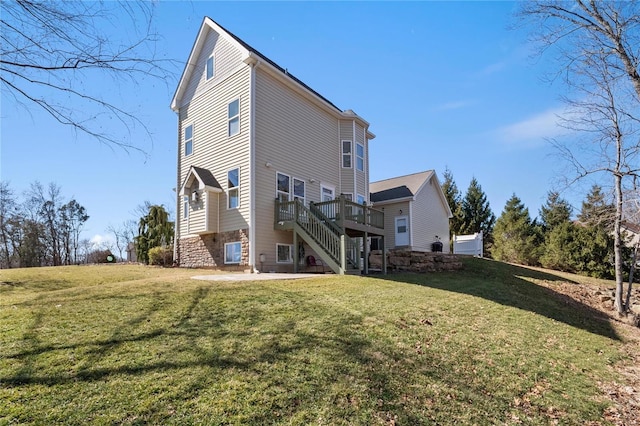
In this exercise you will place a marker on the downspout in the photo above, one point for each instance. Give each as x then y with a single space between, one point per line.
176 234
252 163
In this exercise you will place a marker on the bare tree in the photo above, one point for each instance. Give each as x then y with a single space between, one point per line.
50 49
597 45
123 235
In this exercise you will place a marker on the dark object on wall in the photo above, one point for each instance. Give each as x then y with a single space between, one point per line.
436 246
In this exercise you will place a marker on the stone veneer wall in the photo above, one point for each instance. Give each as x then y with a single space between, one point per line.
415 261
207 251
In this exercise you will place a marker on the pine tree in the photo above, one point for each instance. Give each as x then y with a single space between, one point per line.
476 213
596 211
454 199
555 212
514 236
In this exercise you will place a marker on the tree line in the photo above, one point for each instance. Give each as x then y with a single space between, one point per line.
40 229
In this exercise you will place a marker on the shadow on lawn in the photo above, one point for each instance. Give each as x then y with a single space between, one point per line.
507 284
298 354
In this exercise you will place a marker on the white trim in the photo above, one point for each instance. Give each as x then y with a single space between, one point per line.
229 189
288 186
184 138
213 68
395 231
363 158
342 153
293 189
327 186
224 254
290 260
233 117
252 171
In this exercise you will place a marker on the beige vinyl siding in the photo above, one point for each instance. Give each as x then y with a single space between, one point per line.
362 178
213 211
227 60
347 174
429 218
294 137
197 218
391 211
214 150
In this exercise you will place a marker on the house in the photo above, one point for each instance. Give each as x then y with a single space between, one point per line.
416 212
269 171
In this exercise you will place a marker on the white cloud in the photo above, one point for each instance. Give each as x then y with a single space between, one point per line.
101 241
534 130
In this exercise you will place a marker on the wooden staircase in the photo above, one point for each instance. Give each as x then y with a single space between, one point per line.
324 234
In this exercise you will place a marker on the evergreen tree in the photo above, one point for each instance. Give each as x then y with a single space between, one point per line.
514 236
596 210
154 230
476 213
454 199
555 212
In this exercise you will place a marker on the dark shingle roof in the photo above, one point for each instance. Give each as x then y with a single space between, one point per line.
207 177
391 194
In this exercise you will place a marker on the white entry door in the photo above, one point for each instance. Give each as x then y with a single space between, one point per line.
402 231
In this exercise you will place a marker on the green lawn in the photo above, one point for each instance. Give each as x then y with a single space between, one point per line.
132 345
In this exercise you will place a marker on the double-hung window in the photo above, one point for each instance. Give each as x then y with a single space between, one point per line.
211 71
284 253
233 115
232 253
233 188
188 140
298 190
346 154
360 157
283 189
185 207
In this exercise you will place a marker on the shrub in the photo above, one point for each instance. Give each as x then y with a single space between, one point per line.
162 256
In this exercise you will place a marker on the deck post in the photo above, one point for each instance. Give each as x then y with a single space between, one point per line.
365 253
384 257
343 254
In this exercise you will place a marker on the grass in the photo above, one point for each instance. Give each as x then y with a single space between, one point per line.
132 345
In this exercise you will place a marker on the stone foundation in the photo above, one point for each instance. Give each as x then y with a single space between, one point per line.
415 261
207 251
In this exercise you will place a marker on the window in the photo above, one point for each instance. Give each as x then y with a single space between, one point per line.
188 140
326 193
232 253
284 253
298 190
185 207
233 188
346 154
233 110
360 157
360 199
211 67
282 187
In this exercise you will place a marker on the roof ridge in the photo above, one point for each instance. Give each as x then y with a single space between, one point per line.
285 71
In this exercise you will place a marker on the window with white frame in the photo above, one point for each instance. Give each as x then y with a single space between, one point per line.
360 157
211 63
233 114
283 187
346 154
188 140
360 199
232 253
298 190
185 207
284 253
233 188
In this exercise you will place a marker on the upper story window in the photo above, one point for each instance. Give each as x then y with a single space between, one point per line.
233 188
360 157
188 140
185 207
283 189
346 154
360 199
211 71
298 190
233 114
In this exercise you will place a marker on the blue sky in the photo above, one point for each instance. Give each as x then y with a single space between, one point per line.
443 84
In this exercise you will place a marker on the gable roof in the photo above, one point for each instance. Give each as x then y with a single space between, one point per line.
250 56
405 188
205 179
